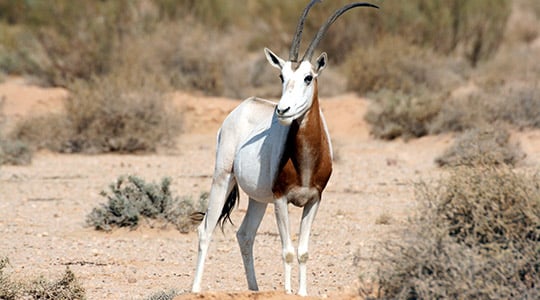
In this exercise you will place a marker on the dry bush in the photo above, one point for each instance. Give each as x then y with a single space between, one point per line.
463 113
512 84
17 46
475 237
50 131
65 288
123 112
407 84
396 65
482 146
518 107
524 23
132 200
74 40
395 114
163 295
197 58
470 29
13 152
8 288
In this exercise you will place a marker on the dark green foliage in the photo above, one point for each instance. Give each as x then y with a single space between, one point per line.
65 288
481 146
131 200
476 236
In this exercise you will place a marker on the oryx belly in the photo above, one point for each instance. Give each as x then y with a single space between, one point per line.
258 158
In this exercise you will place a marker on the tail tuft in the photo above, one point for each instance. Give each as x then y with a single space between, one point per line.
232 200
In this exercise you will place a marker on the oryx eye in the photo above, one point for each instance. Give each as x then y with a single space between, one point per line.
281 78
308 79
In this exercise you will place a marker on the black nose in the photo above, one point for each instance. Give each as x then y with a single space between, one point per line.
282 111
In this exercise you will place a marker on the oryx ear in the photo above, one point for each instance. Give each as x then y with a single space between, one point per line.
274 60
321 63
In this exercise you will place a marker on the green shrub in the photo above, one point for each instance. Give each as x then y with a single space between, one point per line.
132 200
481 146
476 236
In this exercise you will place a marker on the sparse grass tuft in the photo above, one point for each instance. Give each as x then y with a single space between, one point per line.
384 219
131 200
8 288
481 146
163 295
65 288
476 236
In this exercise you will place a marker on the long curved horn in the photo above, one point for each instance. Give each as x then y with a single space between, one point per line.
293 54
322 31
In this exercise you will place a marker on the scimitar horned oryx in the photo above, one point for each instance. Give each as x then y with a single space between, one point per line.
276 153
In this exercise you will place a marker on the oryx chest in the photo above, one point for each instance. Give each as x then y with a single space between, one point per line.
306 168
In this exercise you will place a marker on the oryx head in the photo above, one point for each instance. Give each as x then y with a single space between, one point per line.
299 79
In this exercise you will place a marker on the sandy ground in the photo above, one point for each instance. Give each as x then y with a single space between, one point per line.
43 207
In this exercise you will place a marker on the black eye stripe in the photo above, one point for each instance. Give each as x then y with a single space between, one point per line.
281 77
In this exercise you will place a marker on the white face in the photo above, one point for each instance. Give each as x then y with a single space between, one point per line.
298 86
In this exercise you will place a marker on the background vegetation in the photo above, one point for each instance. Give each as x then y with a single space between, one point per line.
409 57
475 236
65 288
131 201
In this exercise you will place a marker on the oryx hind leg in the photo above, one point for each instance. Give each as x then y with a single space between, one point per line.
246 237
222 186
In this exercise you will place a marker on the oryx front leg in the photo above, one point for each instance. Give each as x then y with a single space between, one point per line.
308 215
246 236
221 187
282 218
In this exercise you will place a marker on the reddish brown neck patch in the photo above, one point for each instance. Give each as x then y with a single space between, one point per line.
306 165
